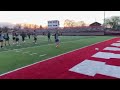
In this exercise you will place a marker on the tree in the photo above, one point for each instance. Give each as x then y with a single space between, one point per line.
5 28
69 23
113 22
40 27
35 26
72 23
80 23
17 27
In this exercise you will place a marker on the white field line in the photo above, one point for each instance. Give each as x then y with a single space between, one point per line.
26 52
51 58
42 55
33 53
18 50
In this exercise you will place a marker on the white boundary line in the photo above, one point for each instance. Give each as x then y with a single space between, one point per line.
52 57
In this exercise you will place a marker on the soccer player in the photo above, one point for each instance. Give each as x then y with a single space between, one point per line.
49 34
17 37
29 34
1 39
35 37
57 41
23 36
43 33
6 37
13 37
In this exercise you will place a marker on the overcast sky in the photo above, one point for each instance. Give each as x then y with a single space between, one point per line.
41 17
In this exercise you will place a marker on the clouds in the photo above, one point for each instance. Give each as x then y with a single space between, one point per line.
41 17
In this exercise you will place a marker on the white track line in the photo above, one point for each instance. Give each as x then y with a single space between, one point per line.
118 41
52 57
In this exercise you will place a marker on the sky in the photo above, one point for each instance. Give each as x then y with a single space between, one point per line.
41 17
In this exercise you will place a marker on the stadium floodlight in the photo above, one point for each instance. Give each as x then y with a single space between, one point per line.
104 18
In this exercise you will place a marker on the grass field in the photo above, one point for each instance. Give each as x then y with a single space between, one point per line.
13 57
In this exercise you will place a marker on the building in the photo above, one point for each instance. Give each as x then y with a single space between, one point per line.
53 24
95 24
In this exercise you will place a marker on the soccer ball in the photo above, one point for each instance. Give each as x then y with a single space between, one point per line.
96 48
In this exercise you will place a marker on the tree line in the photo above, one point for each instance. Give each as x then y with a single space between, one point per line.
111 22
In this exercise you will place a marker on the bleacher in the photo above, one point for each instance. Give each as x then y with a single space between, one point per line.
75 31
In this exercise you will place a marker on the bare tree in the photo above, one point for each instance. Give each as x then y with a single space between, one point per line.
69 23
5 28
40 27
113 22
35 26
72 23
17 27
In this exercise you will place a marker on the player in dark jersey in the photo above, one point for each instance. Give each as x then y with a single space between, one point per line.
57 41
1 39
43 33
35 37
6 37
23 36
49 35
17 38
29 34
13 37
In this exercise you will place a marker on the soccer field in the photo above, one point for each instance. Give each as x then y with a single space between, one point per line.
13 57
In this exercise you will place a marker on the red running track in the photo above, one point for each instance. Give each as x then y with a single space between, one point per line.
58 67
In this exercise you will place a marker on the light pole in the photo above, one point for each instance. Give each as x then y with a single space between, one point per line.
104 18
104 23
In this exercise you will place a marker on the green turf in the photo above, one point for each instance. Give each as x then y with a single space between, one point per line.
13 57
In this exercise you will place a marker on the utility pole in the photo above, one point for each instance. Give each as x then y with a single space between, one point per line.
104 23
104 18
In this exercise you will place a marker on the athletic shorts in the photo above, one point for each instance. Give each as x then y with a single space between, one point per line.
13 38
17 39
6 39
35 38
1 40
23 38
48 36
56 40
